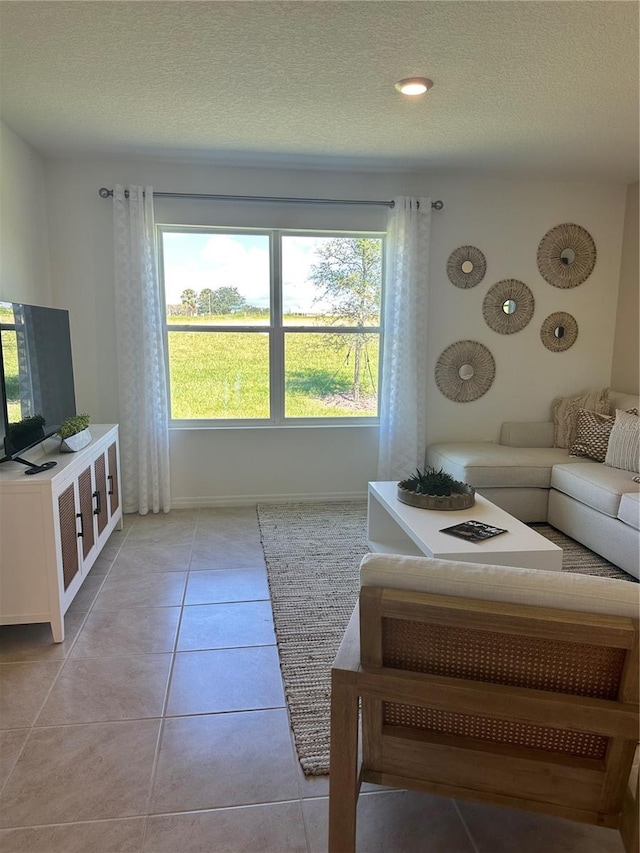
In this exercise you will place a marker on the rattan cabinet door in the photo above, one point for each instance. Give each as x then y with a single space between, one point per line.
86 532
112 478
100 494
68 535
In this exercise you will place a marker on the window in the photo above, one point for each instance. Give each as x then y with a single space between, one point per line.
272 327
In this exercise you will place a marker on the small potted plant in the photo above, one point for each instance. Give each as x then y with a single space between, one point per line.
74 433
431 489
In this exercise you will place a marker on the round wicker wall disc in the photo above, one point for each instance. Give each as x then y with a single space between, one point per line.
465 371
466 266
566 255
559 331
508 306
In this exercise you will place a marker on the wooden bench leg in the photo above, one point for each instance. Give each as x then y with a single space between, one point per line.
344 777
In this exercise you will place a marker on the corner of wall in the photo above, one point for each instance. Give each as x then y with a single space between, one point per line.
625 367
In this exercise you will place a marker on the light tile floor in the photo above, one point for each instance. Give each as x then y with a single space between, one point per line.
160 725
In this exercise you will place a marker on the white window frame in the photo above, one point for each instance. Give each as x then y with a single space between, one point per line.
276 330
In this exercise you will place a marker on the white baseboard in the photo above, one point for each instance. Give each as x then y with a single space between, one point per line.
252 500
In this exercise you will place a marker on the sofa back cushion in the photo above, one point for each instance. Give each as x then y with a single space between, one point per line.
622 400
526 434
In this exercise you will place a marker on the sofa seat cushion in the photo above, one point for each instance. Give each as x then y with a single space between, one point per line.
629 510
593 484
484 464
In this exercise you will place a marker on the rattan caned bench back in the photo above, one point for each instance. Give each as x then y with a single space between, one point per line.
500 658
524 706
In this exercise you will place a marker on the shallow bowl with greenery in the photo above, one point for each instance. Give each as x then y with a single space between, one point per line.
431 489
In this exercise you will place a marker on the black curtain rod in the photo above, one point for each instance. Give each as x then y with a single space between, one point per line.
106 193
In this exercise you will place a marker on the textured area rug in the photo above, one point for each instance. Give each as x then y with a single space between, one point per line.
312 552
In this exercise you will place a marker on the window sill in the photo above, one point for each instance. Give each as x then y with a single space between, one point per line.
194 426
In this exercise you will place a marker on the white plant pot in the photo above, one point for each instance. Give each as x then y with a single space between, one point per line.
75 442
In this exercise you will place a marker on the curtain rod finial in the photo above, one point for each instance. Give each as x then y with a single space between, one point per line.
103 192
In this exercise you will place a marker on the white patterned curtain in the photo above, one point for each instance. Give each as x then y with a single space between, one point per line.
403 440
144 413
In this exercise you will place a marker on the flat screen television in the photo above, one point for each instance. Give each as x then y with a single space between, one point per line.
37 392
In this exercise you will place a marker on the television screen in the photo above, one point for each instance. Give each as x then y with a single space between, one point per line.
36 374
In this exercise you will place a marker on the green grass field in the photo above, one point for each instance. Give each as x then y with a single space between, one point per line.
226 375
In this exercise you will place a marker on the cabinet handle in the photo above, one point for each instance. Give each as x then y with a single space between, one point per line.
97 497
110 480
81 531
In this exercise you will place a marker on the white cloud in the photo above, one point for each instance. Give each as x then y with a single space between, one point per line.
232 264
220 260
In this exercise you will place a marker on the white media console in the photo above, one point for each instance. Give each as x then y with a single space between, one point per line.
53 526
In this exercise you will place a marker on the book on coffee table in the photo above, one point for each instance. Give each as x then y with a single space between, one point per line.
473 531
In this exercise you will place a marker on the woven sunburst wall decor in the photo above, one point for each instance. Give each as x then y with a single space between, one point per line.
566 255
559 331
466 266
465 371
508 306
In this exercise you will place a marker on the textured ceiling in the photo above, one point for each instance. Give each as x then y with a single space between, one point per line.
521 88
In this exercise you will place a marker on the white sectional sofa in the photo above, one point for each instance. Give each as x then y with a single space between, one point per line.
526 475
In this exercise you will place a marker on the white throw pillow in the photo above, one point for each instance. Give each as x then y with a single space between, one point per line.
623 450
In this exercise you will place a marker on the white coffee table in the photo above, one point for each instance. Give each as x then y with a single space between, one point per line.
396 528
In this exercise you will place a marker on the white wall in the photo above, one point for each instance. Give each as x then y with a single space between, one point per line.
24 259
505 219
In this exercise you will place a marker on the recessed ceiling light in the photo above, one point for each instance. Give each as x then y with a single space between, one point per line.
414 85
